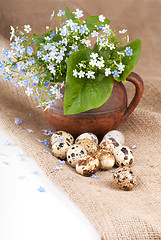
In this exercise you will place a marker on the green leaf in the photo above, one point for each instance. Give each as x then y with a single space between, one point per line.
56 38
130 63
103 52
84 94
81 46
88 53
94 20
68 14
100 76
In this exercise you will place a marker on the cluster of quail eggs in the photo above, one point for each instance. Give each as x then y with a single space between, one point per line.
87 155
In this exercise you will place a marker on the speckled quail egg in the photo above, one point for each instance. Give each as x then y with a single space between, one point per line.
61 135
87 166
59 149
125 178
123 156
117 135
106 158
89 145
87 135
109 144
75 153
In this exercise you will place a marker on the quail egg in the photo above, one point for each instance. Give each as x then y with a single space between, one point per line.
125 178
88 144
87 166
59 149
87 135
61 135
123 156
106 159
75 153
109 144
117 135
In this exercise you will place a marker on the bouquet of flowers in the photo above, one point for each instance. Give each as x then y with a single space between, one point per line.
86 56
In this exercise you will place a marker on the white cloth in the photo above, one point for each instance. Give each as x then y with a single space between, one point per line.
31 206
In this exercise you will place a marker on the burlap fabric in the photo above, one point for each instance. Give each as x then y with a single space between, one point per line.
116 214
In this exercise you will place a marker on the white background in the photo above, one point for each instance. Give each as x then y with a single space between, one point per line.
31 206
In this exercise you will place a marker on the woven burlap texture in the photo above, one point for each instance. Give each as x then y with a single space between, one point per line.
116 214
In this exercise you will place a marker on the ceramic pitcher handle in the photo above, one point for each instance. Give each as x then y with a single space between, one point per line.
139 87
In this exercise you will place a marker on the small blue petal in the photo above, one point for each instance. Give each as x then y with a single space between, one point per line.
30 130
39 140
57 168
59 140
100 28
44 150
128 51
115 73
41 189
52 34
94 176
29 50
46 132
6 143
6 163
35 172
19 154
61 161
46 143
18 121
1 66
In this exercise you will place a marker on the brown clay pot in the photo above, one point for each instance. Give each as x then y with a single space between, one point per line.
98 120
